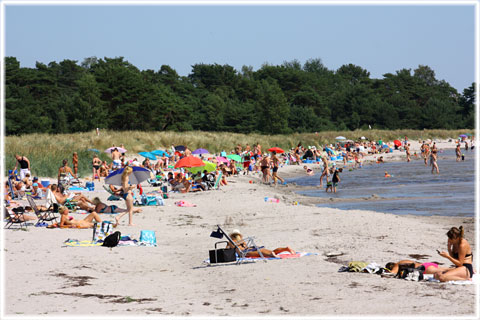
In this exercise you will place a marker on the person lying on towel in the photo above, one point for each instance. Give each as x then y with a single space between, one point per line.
70 222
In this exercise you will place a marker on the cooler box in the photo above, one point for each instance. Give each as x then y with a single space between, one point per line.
90 186
45 183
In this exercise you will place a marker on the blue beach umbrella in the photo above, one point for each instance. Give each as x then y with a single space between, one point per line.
94 150
159 153
148 155
137 176
200 151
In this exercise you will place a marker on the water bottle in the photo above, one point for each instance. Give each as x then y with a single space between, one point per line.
267 199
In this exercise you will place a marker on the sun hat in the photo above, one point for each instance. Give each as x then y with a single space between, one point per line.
235 232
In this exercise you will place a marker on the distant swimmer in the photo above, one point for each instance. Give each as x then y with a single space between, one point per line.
407 150
387 175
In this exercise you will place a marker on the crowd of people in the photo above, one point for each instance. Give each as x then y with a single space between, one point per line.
253 161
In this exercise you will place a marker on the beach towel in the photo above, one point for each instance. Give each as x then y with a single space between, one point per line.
84 243
281 255
75 188
50 199
182 203
475 280
125 241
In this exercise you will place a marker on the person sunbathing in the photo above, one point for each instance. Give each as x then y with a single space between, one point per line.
81 200
252 251
101 207
430 267
70 222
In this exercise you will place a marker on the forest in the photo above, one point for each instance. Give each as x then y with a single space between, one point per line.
113 94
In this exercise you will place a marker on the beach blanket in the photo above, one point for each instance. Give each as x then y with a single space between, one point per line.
125 241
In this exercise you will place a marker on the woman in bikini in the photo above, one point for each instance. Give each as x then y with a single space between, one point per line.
276 162
265 167
127 196
63 172
68 222
433 158
430 267
460 254
253 252
96 163
101 207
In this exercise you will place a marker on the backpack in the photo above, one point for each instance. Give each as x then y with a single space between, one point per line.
112 240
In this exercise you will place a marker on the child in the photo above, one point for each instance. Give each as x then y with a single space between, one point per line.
329 183
336 179
308 171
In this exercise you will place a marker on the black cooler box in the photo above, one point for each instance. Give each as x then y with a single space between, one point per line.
222 255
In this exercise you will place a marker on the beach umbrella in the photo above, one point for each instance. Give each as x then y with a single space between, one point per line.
340 138
121 150
397 143
180 148
189 162
94 150
137 176
468 134
234 157
200 151
222 159
276 149
209 166
148 155
463 135
159 153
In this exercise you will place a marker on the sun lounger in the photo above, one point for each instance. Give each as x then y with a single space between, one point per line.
46 216
13 194
242 254
14 219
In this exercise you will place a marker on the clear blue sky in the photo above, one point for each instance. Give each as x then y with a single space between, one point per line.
381 39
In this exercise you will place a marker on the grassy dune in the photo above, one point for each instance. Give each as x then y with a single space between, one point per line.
47 151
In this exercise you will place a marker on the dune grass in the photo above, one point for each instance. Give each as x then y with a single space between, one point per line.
46 151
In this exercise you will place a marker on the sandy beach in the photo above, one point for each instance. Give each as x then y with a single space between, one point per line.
43 277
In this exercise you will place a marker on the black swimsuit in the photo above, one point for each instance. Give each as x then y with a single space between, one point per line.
466 265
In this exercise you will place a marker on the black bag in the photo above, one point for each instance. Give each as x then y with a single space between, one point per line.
112 240
222 255
405 269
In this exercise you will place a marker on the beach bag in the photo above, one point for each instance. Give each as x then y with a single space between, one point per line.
101 230
356 266
222 255
409 272
148 237
112 240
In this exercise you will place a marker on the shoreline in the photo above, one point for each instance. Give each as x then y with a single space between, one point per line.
171 280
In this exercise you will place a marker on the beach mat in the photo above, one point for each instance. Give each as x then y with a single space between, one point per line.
125 241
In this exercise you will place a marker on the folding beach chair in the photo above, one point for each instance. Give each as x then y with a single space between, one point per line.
14 219
113 196
242 254
46 216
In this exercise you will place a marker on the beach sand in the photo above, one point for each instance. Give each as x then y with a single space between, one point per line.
44 278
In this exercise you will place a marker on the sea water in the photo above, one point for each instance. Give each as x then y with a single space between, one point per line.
411 189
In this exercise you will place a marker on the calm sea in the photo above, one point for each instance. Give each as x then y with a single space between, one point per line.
416 190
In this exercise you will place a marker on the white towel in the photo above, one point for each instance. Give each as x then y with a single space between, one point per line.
50 198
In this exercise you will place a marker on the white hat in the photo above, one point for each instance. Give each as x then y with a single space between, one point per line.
235 231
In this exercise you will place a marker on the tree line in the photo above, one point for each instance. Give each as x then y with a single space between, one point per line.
112 93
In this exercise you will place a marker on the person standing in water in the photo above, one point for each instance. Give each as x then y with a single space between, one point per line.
458 152
433 158
407 150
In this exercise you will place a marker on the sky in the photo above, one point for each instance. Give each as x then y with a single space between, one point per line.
379 38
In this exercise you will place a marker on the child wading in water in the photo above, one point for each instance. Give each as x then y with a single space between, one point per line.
336 179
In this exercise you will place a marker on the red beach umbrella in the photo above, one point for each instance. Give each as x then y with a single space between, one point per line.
276 149
189 162
397 143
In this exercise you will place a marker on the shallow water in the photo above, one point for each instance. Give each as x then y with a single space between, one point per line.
450 193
